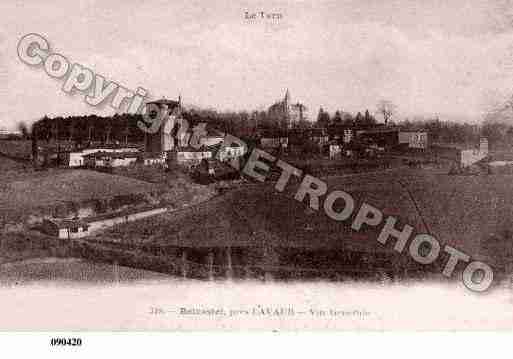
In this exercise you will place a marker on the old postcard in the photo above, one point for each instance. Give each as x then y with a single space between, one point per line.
256 165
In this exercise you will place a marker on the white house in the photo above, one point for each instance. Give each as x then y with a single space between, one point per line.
348 135
110 159
226 153
77 158
79 228
470 156
190 155
414 139
335 150
158 159
65 228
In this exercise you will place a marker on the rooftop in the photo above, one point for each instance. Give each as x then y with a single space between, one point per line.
193 149
112 154
383 129
68 223
81 222
212 132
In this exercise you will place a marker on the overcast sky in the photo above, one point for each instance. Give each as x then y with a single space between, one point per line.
428 57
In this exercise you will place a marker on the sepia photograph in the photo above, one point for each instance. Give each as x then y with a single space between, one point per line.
270 166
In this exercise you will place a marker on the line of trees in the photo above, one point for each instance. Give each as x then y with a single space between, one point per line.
122 128
341 118
90 128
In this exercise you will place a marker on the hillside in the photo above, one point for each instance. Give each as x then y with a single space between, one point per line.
41 193
472 213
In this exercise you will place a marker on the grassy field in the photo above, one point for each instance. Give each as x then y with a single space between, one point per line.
26 192
71 270
255 213
471 213
177 188
20 149
41 191
10 168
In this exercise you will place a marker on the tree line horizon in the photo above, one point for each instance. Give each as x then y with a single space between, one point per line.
122 128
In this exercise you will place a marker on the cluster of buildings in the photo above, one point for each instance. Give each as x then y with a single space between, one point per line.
287 139
163 147
104 156
464 156
337 140
97 157
342 140
159 148
164 143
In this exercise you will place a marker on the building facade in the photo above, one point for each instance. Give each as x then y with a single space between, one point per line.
414 139
110 159
162 139
287 113
192 156
79 158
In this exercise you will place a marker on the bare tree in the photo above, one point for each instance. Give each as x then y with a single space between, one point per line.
90 129
55 130
386 109
126 132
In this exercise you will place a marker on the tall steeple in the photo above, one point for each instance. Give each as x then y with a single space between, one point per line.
287 97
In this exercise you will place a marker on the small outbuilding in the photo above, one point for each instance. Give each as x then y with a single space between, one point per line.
65 228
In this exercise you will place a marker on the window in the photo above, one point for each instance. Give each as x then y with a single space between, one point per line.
74 230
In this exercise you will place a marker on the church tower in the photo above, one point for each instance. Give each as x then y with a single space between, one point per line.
162 140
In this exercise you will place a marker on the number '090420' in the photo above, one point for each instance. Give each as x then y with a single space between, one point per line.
66 342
